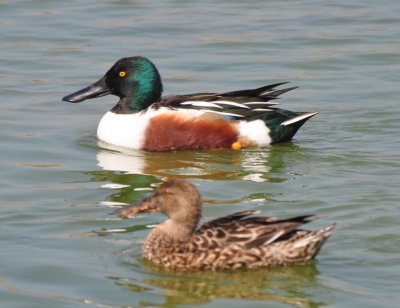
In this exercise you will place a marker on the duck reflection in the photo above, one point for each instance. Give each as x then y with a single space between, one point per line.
290 285
224 164
130 173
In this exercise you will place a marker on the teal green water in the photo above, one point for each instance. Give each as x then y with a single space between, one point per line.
59 245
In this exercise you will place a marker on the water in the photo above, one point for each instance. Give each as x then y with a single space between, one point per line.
59 245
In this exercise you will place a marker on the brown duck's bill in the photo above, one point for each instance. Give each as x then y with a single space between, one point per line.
147 205
97 89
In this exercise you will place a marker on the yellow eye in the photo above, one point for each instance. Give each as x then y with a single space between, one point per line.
122 74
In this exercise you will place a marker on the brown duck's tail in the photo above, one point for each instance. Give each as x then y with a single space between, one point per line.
313 241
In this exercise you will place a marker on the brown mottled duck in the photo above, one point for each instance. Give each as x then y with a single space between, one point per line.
239 240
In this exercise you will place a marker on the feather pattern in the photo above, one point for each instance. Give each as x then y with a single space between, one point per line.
142 115
234 241
236 104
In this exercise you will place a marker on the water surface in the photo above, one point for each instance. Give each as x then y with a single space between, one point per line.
61 248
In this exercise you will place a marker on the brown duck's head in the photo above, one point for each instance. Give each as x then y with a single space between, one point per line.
177 198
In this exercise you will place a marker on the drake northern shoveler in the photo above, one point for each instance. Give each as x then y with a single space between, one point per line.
142 119
235 241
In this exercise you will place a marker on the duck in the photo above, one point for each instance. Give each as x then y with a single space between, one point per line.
238 240
144 120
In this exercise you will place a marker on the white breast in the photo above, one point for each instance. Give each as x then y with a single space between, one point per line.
126 130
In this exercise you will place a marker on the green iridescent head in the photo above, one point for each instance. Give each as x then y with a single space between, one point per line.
134 80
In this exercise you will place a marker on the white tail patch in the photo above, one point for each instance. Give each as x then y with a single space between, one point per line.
255 131
299 118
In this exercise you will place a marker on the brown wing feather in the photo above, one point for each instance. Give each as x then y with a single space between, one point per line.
239 228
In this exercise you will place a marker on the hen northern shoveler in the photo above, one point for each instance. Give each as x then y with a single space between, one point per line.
235 241
142 119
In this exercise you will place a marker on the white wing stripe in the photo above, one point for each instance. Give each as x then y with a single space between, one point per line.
201 104
232 104
260 103
215 104
262 109
225 113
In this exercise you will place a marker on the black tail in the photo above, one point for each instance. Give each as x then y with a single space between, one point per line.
288 128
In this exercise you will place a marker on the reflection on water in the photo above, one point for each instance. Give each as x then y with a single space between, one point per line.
129 173
223 164
290 285
126 187
227 164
